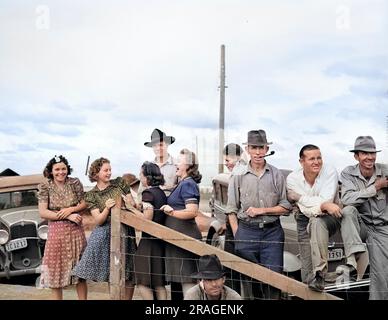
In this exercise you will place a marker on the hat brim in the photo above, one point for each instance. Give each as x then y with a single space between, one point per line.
365 150
257 144
167 139
208 275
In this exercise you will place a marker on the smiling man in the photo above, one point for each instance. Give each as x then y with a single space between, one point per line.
314 190
365 196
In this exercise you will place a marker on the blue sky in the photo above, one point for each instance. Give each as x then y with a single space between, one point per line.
96 77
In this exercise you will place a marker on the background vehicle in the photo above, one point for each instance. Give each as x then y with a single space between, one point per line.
23 233
292 263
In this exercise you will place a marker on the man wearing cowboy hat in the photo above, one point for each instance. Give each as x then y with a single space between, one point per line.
256 198
159 143
365 197
212 279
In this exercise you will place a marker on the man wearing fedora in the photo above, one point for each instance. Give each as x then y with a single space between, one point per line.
314 190
211 285
256 198
365 197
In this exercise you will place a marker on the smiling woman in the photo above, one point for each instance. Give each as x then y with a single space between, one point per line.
61 199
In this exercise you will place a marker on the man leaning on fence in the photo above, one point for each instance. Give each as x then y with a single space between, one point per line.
314 189
256 199
365 196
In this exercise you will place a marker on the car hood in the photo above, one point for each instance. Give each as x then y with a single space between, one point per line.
11 216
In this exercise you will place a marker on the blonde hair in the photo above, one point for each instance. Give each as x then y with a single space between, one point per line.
95 168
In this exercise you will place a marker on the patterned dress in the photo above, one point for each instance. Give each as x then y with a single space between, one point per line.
95 262
66 240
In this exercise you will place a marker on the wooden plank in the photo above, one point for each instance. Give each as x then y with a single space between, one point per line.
117 254
229 260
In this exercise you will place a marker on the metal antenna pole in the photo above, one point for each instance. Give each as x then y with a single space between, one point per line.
222 113
87 166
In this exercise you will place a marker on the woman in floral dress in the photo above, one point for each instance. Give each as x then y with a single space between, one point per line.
61 199
95 262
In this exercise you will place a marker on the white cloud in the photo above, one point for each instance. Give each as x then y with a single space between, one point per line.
105 74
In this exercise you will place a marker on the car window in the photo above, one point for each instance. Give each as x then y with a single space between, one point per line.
224 194
5 200
217 191
18 199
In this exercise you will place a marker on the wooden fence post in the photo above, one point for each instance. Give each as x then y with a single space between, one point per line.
117 254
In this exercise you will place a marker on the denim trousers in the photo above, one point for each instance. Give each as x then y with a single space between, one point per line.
262 246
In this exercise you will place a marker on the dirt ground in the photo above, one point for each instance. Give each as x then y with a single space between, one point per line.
96 291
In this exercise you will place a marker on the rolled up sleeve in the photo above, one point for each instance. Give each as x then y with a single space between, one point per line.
283 202
233 204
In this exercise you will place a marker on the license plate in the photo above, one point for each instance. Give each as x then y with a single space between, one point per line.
336 254
16 244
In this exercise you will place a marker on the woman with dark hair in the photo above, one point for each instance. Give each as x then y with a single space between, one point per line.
149 257
181 210
95 262
61 200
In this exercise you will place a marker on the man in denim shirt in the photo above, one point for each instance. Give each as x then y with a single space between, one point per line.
256 199
365 196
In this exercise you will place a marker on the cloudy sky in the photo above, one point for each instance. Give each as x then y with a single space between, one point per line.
83 78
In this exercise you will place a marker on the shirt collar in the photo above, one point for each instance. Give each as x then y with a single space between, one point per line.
170 160
355 171
249 168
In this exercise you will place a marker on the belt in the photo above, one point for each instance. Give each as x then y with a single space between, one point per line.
260 225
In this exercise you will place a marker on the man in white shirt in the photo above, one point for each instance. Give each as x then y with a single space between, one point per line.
314 189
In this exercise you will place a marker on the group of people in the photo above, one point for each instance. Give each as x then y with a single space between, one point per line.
356 203
169 196
258 194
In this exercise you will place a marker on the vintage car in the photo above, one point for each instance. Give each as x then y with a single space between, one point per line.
22 232
292 264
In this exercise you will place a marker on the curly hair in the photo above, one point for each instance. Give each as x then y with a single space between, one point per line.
151 172
192 162
95 168
48 169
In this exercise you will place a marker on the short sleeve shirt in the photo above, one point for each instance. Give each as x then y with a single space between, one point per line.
58 198
96 198
186 192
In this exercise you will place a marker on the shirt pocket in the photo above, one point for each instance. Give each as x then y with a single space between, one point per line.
381 201
248 200
271 199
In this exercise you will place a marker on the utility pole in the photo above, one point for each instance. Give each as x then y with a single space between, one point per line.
221 137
